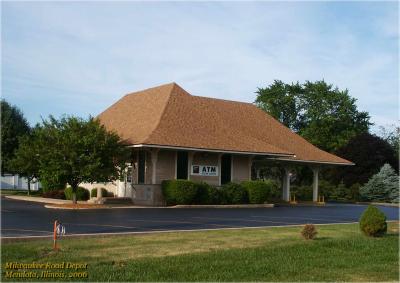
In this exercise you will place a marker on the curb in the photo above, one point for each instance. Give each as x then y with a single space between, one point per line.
269 205
106 207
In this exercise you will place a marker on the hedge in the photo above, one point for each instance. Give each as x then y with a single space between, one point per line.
179 192
214 195
189 192
233 193
81 193
258 191
203 193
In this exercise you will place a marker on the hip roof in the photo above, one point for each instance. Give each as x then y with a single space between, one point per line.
169 116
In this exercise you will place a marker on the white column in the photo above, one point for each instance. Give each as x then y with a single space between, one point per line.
154 156
190 162
286 185
315 183
99 194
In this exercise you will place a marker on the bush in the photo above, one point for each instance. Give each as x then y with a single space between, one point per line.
233 193
202 193
214 195
373 222
354 192
302 192
93 193
179 191
258 191
57 194
81 193
327 190
276 191
309 232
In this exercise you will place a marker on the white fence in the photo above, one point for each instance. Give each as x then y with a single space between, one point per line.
10 182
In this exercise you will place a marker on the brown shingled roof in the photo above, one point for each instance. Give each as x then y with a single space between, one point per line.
169 116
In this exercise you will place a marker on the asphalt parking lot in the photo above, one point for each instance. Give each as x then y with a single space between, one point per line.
22 218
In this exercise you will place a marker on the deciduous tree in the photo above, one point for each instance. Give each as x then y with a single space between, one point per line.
79 150
325 116
369 153
13 126
25 161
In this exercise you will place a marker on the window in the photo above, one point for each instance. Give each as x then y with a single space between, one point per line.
182 165
226 163
141 167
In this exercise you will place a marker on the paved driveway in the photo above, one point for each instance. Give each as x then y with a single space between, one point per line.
22 218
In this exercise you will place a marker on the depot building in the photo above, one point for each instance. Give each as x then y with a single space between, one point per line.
176 135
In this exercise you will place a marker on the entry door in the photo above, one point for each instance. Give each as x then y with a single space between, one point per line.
226 163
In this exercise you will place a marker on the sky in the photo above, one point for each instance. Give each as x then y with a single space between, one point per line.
78 58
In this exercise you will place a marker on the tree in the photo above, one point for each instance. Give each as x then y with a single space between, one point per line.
369 153
325 116
13 126
391 134
383 186
279 100
78 150
25 161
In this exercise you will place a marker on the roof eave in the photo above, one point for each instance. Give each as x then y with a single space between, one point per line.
314 161
213 150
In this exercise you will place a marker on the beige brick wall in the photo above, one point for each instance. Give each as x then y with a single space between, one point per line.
165 166
240 168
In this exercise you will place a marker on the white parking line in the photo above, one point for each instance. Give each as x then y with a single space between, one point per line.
26 230
183 222
101 225
246 220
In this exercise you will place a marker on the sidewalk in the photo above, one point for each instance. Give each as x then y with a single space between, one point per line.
67 204
41 200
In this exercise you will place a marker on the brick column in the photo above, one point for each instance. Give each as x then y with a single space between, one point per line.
154 156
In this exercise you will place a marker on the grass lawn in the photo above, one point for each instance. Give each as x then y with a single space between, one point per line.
340 253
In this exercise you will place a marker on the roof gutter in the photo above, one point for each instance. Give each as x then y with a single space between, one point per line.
211 150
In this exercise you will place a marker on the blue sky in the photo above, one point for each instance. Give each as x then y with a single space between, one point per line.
78 58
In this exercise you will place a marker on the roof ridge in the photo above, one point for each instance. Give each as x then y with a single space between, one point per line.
150 88
222 99
173 84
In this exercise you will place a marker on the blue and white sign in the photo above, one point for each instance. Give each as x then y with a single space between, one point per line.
204 170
